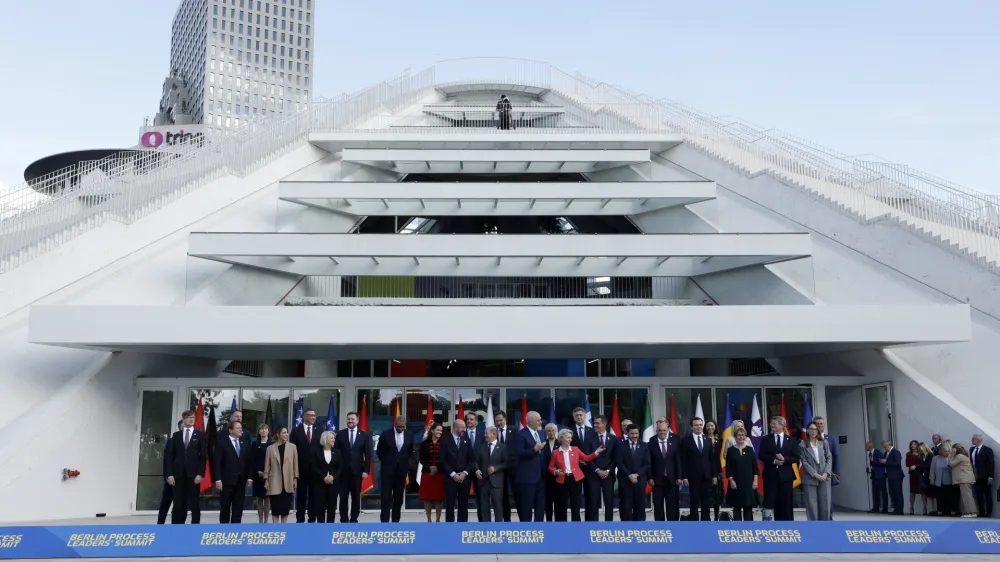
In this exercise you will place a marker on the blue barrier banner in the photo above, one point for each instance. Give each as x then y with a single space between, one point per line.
111 541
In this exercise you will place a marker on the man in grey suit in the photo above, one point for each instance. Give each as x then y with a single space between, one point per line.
491 469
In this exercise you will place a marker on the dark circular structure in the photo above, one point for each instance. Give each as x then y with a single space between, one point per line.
36 172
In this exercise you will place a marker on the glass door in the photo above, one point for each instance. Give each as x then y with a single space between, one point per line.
156 425
878 414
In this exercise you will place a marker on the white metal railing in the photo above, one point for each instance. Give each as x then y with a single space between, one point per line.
36 218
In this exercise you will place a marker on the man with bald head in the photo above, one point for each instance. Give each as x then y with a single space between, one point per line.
395 446
528 445
458 463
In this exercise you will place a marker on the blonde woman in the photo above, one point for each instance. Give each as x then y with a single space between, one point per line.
965 479
281 474
816 462
926 458
941 483
551 444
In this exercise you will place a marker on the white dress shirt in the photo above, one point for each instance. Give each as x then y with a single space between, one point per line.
565 452
327 455
815 452
399 441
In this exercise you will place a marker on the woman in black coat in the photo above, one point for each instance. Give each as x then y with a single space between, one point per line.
325 468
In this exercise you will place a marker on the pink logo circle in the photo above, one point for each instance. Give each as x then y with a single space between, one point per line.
152 139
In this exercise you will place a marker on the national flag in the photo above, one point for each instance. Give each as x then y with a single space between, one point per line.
269 417
233 408
199 424
552 409
461 408
368 483
616 420
524 412
726 434
298 412
648 434
212 434
795 467
588 418
397 406
331 416
807 418
673 418
428 421
489 413
698 412
756 434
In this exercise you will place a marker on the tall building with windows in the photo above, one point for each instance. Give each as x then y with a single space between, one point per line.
235 61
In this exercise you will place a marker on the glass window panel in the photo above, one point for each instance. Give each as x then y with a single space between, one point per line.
319 399
643 367
631 404
795 404
739 403
219 401
568 399
343 367
685 404
537 399
156 425
257 402
380 368
474 400
593 367
362 369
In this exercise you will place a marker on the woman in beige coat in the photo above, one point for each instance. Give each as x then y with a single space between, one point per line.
281 474
963 477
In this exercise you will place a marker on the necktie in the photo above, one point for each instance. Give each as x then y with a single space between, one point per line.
399 441
309 434
663 448
491 449
503 435
602 440
187 437
777 439
581 435
457 441
236 444
352 438
472 437
537 438
699 443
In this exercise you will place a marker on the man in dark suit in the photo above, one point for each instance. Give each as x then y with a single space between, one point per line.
475 435
505 434
233 471
305 437
395 446
834 452
234 416
528 446
778 452
601 472
458 465
582 440
876 471
698 470
167 497
633 470
491 465
893 461
984 467
936 447
665 472
356 448
188 455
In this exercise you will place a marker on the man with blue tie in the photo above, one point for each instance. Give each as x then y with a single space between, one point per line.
475 438
876 470
834 452
893 462
530 488
233 469
458 462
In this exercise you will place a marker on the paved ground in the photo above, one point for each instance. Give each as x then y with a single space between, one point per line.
597 558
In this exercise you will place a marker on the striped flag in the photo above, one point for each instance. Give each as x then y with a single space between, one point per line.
368 483
795 467
429 420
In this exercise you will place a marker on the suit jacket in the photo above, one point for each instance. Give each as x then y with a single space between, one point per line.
306 448
223 435
167 455
894 465
698 466
633 463
876 468
605 460
394 461
319 468
357 459
546 457
281 475
670 465
457 457
529 461
810 466
498 460
231 468
985 465
769 450
558 462
584 444
834 452
961 469
509 438
190 461
480 436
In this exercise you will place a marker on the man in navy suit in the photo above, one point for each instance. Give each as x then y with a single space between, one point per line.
305 437
778 452
665 472
233 471
476 438
983 465
698 470
893 461
601 472
395 447
167 498
633 470
188 455
458 462
834 452
876 471
505 434
356 448
528 446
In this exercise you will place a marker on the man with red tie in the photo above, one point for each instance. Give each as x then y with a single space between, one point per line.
306 440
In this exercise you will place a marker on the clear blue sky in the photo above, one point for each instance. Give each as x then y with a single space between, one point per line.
910 81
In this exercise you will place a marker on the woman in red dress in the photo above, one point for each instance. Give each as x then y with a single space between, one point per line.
914 460
431 477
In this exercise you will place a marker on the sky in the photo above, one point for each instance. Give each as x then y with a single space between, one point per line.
908 81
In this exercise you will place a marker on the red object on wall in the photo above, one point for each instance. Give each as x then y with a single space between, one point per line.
409 368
